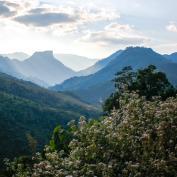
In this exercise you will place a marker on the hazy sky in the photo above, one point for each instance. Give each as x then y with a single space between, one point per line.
92 28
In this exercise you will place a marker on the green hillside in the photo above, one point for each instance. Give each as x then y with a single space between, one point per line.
27 109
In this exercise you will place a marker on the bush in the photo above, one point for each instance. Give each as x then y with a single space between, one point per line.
138 140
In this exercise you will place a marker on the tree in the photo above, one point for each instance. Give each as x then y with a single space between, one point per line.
149 83
60 139
123 80
146 82
32 142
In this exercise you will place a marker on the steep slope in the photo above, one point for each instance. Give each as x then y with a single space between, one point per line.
75 62
26 108
7 66
43 66
172 57
99 64
99 86
11 67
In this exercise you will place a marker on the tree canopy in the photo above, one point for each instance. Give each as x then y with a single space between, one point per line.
148 82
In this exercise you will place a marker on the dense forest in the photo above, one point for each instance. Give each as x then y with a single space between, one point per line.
29 112
136 137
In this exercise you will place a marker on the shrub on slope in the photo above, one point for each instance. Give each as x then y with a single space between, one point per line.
138 140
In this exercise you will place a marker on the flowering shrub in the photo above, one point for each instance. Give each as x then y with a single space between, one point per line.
138 140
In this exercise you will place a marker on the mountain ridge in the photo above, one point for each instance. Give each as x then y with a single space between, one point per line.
172 57
42 68
76 62
137 57
99 64
16 55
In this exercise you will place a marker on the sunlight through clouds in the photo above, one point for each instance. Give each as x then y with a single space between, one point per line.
92 25
116 34
172 27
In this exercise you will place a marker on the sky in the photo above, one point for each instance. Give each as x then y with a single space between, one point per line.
91 28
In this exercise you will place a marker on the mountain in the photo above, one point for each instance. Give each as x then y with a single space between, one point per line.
7 66
75 62
44 67
99 64
26 108
10 67
95 88
16 55
172 57
41 68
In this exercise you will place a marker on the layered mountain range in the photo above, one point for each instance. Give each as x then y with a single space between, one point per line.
93 84
75 62
43 68
97 86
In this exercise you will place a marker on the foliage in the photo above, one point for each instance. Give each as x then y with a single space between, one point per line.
147 82
27 109
32 142
137 140
60 139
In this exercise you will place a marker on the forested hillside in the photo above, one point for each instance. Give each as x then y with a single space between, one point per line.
137 138
27 110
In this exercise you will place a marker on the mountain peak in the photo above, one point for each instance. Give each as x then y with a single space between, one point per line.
45 67
42 56
48 53
172 57
136 49
174 54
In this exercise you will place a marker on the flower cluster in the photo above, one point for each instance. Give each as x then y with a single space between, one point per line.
138 140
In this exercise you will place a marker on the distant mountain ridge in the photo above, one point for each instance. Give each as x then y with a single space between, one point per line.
45 70
41 68
99 64
16 55
75 62
8 67
98 86
172 57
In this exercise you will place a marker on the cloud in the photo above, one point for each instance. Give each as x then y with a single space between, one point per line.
45 19
98 14
55 19
116 34
7 9
47 16
172 27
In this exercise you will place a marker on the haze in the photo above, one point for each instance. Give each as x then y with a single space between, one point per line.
93 28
